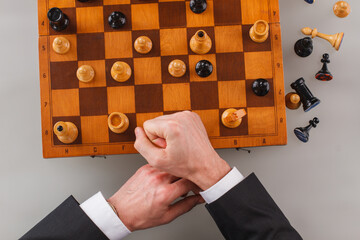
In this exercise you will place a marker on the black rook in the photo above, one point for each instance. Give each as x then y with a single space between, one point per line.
307 98
58 20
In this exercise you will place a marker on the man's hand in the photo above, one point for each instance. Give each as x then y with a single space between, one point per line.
178 144
146 199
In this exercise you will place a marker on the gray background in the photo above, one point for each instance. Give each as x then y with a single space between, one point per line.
316 184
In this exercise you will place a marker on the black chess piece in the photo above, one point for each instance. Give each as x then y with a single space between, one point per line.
117 20
324 74
198 6
304 47
204 68
58 20
261 87
302 133
307 98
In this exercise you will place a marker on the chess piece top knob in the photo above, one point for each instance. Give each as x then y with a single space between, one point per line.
342 9
204 68
61 45
143 45
177 68
85 73
121 71
117 20
292 101
198 6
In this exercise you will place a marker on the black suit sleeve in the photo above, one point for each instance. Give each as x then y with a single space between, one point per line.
66 222
248 212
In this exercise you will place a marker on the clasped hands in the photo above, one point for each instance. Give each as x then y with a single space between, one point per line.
181 159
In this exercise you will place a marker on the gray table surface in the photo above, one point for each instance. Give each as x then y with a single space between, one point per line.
315 184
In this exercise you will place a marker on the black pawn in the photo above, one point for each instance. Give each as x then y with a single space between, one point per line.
302 133
324 74
204 68
307 98
117 20
198 6
304 47
58 20
261 87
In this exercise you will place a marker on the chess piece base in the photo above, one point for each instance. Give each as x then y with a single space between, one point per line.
118 122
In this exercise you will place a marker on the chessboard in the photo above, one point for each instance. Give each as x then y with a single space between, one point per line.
151 91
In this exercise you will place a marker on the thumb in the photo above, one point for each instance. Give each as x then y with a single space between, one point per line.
144 146
181 207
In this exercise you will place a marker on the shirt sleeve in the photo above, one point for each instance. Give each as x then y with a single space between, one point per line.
233 178
100 212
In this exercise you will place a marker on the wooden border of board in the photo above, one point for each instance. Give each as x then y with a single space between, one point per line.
52 151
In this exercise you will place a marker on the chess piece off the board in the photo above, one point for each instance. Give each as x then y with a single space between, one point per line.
177 68
341 9
324 74
121 71
118 122
66 132
292 101
200 43
259 32
232 118
61 45
307 98
85 73
143 45
58 20
335 40
204 68
261 87
198 6
304 47
117 20
302 133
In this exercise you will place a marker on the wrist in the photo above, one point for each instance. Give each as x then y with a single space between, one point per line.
115 205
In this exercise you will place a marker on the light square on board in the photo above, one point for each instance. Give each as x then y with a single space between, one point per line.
145 16
99 79
147 70
205 19
121 99
228 39
210 119
90 19
194 59
62 3
65 102
258 65
232 94
118 45
255 10
173 41
71 55
93 101
172 14
261 120
116 2
176 97
143 117
94 129
123 8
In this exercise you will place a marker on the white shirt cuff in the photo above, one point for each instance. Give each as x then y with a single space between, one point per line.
233 178
100 212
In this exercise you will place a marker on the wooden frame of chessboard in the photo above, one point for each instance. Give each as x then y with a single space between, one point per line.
267 124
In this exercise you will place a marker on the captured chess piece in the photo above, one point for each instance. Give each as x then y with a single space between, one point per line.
61 45
261 87
335 40
121 71
143 45
307 98
204 68
232 118
292 101
304 47
198 6
342 9
58 20
302 133
66 132
200 43
85 73
118 122
324 74
117 20
259 32
177 68
310 1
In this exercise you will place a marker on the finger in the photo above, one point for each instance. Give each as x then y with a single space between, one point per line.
181 207
144 146
160 142
180 188
155 128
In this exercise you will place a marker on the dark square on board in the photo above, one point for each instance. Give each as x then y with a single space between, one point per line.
143 1
250 45
74 120
252 100
90 46
149 98
63 75
90 3
93 101
228 13
230 66
204 95
128 135
172 14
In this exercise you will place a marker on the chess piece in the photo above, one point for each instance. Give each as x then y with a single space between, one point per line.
61 45
118 122
259 32
143 45
204 68
85 73
261 87
121 71
304 47
310 1
335 40
84 0
232 118
66 132
116 20
324 74
292 101
200 43
198 6
58 20
177 68
303 133
342 9
307 98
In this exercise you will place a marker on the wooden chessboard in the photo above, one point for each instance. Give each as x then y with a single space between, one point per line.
152 91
